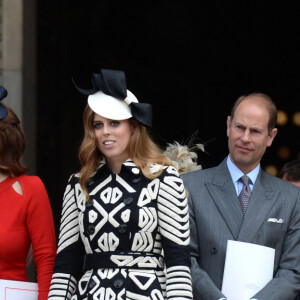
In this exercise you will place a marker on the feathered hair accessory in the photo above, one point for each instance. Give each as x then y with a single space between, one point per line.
184 158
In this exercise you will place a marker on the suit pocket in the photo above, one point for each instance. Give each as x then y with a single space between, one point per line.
273 234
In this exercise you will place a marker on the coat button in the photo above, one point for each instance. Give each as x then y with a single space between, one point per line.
122 228
89 204
128 200
90 229
92 283
136 179
90 182
213 250
118 283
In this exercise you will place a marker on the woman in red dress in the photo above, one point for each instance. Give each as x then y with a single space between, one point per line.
25 212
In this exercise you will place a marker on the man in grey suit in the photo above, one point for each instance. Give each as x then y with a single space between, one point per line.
270 218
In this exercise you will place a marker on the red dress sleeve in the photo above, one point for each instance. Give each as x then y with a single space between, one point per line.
41 230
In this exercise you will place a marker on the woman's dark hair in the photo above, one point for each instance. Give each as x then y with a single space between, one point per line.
12 145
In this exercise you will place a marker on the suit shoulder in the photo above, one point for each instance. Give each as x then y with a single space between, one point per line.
279 183
189 175
203 174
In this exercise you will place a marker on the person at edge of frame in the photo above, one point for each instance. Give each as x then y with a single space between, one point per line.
27 226
271 218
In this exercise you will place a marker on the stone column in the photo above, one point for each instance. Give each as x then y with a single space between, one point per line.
18 72
17 66
11 52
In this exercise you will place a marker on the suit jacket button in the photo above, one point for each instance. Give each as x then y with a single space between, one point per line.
136 179
213 250
89 204
90 229
90 182
92 283
118 283
122 228
128 200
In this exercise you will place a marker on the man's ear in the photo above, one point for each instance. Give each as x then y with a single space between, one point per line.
272 136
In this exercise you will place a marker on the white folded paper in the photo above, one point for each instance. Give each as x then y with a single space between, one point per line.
18 290
248 268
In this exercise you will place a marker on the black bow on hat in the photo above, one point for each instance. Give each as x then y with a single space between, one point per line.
113 83
3 109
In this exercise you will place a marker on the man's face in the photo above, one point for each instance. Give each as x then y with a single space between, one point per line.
248 135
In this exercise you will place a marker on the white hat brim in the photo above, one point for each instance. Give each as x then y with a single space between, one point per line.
110 107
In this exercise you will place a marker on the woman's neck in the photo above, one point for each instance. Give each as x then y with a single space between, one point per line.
115 165
115 168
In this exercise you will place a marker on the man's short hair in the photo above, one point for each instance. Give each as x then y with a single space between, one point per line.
291 170
269 103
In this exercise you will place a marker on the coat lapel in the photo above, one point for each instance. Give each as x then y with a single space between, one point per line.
261 202
224 195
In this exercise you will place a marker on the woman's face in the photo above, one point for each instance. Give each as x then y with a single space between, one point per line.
112 138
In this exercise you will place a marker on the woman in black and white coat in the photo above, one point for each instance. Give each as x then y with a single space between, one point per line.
124 230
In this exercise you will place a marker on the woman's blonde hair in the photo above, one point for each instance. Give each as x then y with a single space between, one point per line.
141 149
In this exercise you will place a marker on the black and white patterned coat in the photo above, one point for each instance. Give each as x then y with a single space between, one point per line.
129 241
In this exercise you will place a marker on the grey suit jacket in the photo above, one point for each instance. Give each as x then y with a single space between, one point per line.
216 216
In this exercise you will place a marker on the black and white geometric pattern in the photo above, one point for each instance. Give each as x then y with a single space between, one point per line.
129 241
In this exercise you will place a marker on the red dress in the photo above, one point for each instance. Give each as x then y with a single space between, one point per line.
26 219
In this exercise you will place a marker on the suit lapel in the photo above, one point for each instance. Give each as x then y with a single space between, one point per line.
261 202
224 196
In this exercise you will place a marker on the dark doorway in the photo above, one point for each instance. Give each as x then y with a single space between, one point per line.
191 60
